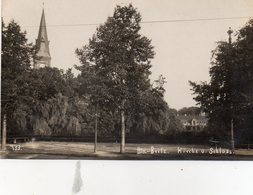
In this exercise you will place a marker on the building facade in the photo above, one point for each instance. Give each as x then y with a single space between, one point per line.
193 123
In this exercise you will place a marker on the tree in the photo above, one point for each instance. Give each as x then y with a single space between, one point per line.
190 111
229 93
71 83
17 55
120 58
244 82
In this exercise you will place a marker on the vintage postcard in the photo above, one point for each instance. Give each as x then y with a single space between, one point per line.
127 80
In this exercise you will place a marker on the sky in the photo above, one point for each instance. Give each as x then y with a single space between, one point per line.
56 177
183 48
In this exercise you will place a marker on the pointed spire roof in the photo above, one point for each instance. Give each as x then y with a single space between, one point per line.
42 44
43 28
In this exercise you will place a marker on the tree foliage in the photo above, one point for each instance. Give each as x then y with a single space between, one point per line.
24 90
229 93
189 111
17 55
119 56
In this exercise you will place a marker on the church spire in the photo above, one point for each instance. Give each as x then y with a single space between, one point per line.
43 57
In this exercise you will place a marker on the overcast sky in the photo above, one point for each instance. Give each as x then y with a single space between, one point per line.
183 49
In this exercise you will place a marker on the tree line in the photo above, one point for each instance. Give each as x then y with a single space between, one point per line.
113 86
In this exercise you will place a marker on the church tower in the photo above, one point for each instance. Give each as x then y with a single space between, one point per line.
43 57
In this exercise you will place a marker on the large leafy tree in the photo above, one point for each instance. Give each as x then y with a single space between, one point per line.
228 95
120 58
244 82
17 55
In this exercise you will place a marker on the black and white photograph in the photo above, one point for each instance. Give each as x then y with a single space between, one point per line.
127 80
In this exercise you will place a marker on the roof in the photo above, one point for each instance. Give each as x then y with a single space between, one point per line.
42 38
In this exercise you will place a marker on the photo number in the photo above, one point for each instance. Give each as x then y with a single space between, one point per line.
16 147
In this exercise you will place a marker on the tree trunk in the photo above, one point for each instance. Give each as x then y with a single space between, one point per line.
232 136
123 131
4 133
96 132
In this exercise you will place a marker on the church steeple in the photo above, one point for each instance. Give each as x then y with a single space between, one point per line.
43 57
